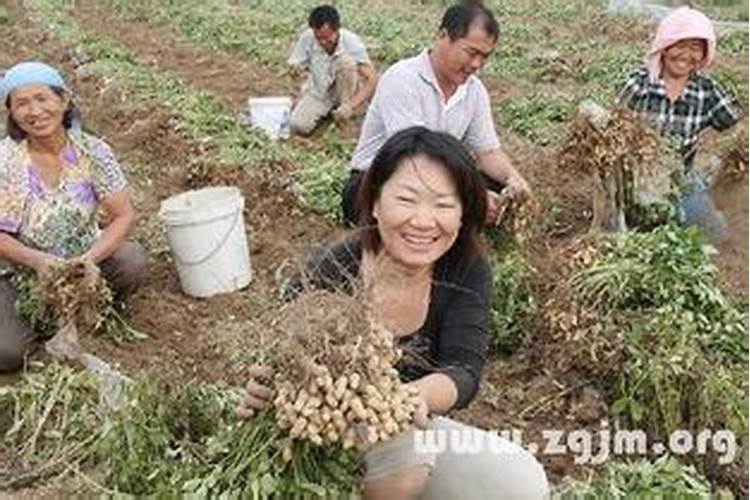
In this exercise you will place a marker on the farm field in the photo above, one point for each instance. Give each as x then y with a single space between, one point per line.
648 331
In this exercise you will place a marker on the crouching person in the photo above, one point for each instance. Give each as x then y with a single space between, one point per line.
53 181
420 208
341 77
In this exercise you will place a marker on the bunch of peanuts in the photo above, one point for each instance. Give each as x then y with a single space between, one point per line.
360 408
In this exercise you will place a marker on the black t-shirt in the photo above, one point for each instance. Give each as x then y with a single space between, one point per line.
454 337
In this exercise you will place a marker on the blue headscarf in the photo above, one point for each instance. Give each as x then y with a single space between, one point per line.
26 73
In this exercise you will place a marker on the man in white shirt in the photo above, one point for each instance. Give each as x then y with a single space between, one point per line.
336 59
438 89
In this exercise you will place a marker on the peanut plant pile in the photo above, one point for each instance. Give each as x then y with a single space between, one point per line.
71 294
625 142
164 440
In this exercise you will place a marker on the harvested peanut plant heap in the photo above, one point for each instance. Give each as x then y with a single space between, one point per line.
634 165
70 297
335 378
76 292
735 159
624 142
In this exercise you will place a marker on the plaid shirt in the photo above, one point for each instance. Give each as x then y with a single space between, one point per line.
702 104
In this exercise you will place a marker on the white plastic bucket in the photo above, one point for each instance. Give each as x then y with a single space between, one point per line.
271 114
206 234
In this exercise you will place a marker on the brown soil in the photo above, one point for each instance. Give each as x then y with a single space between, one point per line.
731 197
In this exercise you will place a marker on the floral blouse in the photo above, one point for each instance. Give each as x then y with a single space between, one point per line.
60 220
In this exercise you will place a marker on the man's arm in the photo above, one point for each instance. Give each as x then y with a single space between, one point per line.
498 165
299 56
481 138
370 77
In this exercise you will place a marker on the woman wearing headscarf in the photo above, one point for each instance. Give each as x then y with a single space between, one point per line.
54 180
672 93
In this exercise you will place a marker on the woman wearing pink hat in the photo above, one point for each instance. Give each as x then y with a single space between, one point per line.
54 179
671 92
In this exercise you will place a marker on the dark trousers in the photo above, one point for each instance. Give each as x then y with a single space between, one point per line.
349 195
123 270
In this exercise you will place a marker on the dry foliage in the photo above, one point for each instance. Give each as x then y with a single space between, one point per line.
626 142
735 160
632 163
520 216
575 326
75 290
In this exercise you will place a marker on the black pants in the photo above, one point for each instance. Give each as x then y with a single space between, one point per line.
349 196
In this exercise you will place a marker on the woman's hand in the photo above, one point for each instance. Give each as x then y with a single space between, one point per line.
43 263
257 395
496 205
422 411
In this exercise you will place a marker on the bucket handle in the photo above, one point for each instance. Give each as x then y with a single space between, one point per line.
210 254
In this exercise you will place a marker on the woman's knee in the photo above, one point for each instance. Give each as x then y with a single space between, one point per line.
125 270
408 484
135 264
11 358
497 469
16 336
525 478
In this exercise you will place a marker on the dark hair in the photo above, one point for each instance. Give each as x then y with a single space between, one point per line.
70 116
458 19
322 15
448 151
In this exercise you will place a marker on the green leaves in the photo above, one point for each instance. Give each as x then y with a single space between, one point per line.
643 270
682 338
265 33
41 316
323 175
665 477
47 420
167 439
734 43
322 180
537 117
4 15
513 306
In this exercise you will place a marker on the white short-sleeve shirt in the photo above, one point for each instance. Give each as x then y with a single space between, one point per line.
408 94
308 53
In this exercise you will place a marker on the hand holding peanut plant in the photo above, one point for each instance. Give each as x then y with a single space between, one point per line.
257 395
344 389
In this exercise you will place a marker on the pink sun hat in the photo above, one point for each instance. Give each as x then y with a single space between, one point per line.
681 24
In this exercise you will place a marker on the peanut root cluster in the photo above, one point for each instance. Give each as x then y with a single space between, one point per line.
335 378
76 291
